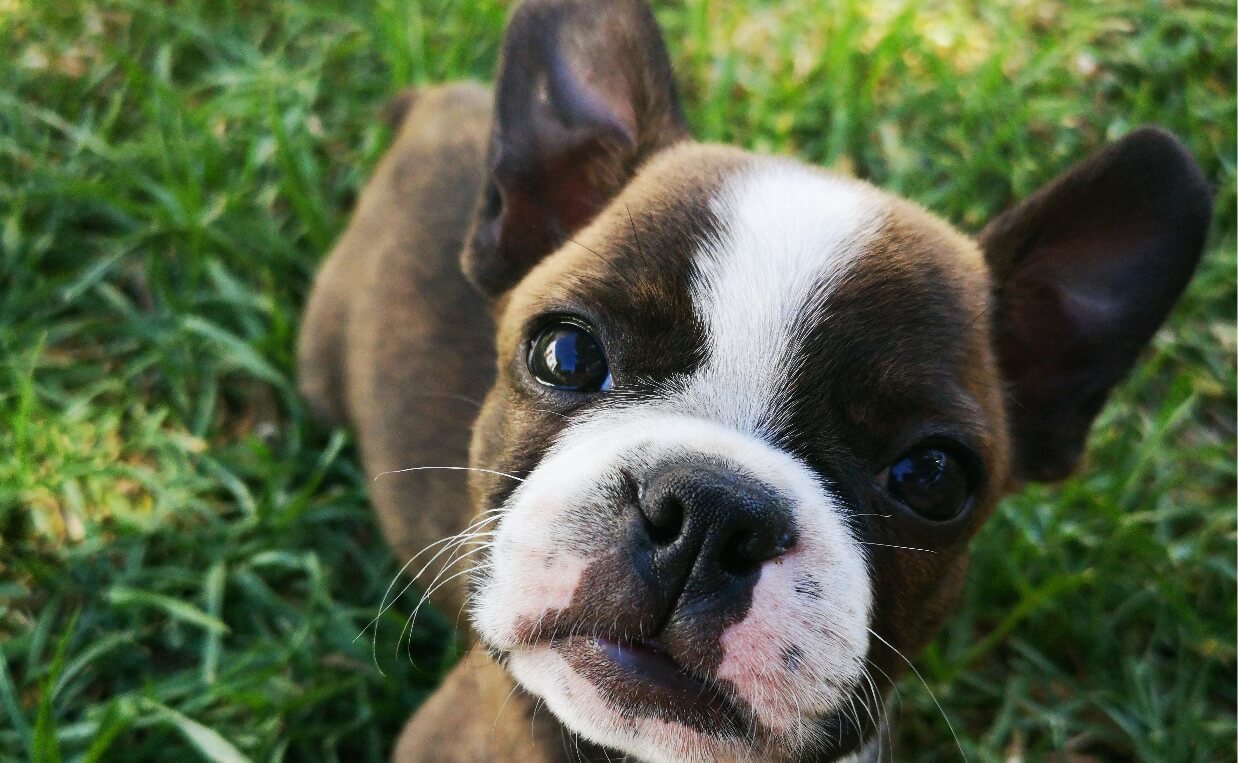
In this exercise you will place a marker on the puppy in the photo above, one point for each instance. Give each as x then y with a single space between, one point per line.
739 417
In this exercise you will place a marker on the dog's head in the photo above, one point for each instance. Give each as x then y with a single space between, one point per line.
756 410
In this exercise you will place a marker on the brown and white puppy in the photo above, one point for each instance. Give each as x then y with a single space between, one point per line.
746 414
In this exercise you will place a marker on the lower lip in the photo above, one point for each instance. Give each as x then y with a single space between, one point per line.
649 665
644 680
637 656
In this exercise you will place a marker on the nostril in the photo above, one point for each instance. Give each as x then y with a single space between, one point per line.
663 519
631 488
734 558
662 508
747 549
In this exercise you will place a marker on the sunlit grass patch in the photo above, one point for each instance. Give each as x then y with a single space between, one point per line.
91 468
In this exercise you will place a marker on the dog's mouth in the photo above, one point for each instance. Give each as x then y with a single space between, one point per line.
642 679
635 694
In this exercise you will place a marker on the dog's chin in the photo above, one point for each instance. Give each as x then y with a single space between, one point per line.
634 697
631 698
643 679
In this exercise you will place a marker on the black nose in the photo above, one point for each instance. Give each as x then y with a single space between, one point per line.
708 527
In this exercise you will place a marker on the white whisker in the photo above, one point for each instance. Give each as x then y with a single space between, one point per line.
461 536
497 715
449 469
898 700
384 605
412 618
904 548
452 561
932 696
447 395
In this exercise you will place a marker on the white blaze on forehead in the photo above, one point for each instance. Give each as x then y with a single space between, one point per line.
789 235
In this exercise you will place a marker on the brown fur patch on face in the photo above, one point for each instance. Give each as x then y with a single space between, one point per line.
627 275
902 354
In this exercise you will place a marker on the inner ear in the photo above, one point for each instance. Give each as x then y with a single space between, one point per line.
584 95
1087 270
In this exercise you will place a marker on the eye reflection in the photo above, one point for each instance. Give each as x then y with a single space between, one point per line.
566 356
932 481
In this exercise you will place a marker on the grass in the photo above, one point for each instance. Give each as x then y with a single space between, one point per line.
185 561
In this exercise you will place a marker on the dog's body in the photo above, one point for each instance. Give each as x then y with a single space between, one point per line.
392 289
746 415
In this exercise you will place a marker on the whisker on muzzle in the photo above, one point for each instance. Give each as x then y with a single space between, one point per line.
447 396
450 543
902 548
468 533
447 468
412 618
932 696
885 708
508 698
876 711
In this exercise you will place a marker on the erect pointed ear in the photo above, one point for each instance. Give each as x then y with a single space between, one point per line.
1086 270
584 95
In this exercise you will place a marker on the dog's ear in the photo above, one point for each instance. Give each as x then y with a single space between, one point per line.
1085 271
584 95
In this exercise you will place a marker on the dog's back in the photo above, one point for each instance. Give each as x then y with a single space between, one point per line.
395 343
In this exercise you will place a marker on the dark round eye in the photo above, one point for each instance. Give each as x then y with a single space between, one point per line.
932 481
566 356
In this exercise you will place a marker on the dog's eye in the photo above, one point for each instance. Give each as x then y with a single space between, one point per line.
932 480
566 356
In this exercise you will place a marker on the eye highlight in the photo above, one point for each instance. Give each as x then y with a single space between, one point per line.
565 356
932 480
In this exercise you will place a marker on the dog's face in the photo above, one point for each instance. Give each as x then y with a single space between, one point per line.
757 418
754 412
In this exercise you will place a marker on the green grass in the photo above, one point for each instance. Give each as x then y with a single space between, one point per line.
185 562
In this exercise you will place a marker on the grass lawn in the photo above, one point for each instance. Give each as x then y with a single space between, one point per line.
185 562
